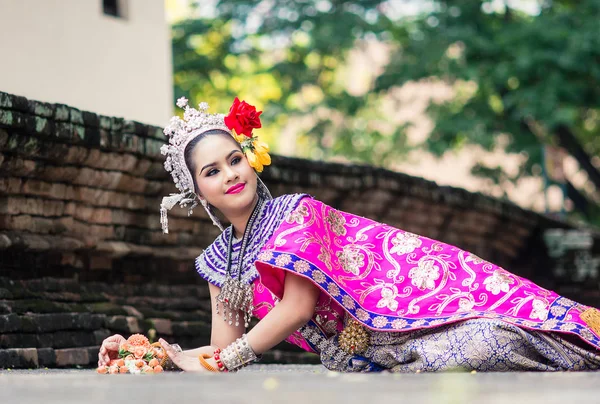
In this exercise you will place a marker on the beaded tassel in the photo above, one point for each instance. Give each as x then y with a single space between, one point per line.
235 295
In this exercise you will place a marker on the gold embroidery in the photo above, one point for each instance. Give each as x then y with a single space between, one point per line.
592 318
351 259
354 338
337 222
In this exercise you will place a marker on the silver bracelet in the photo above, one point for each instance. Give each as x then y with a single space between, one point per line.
238 354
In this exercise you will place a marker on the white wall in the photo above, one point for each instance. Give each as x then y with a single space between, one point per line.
68 51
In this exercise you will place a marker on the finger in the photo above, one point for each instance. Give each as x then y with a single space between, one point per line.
169 350
112 346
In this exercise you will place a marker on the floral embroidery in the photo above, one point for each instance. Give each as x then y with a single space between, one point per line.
337 222
388 298
498 282
283 260
265 256
549 324
587 334
351 259
540 310
568 327
565 302
301 266
298 215
333 289
418 323
348 302
465 305
405 243
557 311
424 275
475 259
362 315
318 276
380 321
399 323
325 257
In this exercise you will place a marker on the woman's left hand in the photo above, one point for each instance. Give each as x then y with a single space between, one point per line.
183 361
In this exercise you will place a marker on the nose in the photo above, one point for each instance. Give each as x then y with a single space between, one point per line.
230 174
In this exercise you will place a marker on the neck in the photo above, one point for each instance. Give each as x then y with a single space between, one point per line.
240 220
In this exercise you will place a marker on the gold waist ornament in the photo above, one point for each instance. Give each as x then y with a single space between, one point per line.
354 338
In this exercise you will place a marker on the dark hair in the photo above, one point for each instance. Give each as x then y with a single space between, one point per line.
189 149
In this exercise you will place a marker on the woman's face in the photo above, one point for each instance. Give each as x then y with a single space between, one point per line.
223 175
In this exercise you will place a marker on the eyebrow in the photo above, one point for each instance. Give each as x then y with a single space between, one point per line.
214 164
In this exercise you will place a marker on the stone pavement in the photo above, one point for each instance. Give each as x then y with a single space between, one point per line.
291 384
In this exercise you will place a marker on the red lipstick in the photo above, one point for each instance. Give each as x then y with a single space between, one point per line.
236 189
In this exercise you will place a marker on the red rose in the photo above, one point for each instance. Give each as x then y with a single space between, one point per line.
243 118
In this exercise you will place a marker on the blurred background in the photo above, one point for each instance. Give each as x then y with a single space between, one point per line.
497 96
473 122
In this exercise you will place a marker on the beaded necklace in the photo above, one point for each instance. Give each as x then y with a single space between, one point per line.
235 295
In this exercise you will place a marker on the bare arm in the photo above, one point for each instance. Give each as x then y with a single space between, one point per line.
222 334
294 310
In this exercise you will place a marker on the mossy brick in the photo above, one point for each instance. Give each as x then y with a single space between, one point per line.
90 119
3 137
42 109
109 309
66 339
20 340
5 294
128 142
105 141
5 308
61 113
46 357
190 328
92 136
128 126
75 356
43 126
75 116
64 130
19 358
44 306
116 124
104 122
152 147
10 323
126 324
6 100
155 132
12 119
79 133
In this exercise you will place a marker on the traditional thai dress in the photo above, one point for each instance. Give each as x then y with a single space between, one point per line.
393 300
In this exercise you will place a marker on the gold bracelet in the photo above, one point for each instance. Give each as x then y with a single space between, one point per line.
203 361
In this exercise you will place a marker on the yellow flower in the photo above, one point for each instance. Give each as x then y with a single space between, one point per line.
261 149
260 146
264 158
253 161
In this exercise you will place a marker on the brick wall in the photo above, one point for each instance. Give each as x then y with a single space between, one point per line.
82 254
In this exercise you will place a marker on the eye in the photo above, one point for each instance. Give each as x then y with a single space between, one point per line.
212 172
235 160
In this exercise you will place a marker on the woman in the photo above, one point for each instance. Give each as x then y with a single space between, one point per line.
363 295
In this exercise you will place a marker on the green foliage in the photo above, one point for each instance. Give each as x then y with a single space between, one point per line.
516 76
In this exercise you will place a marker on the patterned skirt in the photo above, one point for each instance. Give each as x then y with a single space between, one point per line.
476 344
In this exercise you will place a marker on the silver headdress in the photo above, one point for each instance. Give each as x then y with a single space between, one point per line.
180 133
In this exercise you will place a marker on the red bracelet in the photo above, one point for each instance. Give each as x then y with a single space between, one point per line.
217 357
